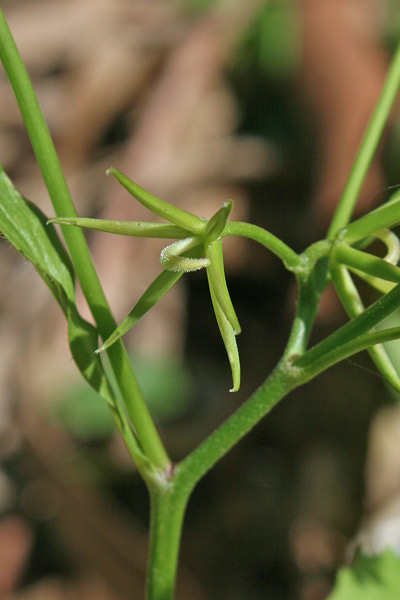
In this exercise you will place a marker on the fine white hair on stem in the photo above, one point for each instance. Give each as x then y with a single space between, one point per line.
172 260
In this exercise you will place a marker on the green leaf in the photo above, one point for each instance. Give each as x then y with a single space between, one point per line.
369 578
79 411
24 226
272 42
166 384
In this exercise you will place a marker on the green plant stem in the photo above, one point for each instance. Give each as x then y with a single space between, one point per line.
167 521
291 260
357 327
168 506
59 193
367 148
169 500
352 347
307 307
280 382
387 215
354 306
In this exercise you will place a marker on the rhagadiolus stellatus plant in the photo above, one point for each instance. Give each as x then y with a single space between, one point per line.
199 246
196 243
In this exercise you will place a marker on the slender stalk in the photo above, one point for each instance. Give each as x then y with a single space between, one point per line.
59 193
289 257
350 348
387 215
307 307
357 327
367 148
169 501
354 306
281 381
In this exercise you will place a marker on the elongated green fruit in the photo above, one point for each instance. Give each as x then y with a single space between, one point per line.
354 306
370 264
131 228
392 256
217 281
159 207
386 216
156 290
229 339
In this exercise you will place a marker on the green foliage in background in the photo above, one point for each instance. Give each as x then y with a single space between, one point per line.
272 42
369 578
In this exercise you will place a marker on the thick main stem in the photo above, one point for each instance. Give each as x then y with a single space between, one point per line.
168 506
169 500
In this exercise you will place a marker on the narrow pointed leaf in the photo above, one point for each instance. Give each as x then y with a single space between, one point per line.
159 207
24 226
156 290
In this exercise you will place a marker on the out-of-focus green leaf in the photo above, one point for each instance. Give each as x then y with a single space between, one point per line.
369 578
166 384
24 226
272 41
391 32
198 5
82 415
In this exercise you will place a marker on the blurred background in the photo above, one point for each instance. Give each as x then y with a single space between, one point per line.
260 101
